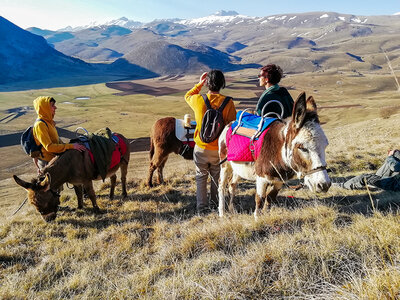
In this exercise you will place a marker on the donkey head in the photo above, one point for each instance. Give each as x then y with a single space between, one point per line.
41 196
305 144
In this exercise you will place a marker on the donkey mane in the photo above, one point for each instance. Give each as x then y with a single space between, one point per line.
271 149
36 181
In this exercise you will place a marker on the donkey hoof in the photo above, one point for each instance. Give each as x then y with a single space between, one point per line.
97 210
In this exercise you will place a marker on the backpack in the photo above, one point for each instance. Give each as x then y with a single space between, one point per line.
213 122
28 142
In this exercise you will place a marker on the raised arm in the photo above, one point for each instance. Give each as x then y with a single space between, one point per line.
196 89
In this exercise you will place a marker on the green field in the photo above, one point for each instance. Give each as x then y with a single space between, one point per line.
338 245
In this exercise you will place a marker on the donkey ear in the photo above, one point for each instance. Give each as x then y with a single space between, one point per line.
45 183
24 184
299 110
311 105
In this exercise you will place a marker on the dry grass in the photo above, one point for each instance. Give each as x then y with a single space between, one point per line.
152 245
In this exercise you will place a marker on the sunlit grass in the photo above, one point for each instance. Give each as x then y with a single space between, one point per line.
152 245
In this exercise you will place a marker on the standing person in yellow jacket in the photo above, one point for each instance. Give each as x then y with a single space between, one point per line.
45 133
205 155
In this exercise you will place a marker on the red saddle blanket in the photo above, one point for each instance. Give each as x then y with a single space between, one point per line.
241 148
120 149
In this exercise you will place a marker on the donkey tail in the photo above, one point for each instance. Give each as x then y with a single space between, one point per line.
151 152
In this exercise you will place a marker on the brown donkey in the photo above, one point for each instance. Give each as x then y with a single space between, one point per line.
163 141
76 168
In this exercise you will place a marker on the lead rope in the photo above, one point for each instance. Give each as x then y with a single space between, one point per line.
19 208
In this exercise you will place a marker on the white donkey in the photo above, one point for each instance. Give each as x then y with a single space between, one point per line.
292 147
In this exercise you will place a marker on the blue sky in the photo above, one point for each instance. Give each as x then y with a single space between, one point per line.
55 14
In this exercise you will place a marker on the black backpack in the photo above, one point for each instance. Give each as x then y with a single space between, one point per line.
28 142
213 122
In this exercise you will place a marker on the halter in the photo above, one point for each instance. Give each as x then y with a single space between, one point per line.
315 170
55 194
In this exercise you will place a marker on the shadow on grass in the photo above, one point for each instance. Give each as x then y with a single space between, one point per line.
382 201
147 207
175 204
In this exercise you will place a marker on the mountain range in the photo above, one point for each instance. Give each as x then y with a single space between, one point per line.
306 42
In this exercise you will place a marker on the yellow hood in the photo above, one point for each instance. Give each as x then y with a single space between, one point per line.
43 108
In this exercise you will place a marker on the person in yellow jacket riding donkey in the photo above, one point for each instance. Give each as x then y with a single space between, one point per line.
205 155
45 132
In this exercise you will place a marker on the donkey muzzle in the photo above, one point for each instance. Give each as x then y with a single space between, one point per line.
318 180
50 217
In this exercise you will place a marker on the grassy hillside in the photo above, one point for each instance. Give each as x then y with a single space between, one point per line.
338 245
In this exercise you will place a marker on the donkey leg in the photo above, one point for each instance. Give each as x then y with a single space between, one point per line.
271 194
113 179
124 172
79 195
223 180
161 169
232 192
261 184
152 168
90 190
158 160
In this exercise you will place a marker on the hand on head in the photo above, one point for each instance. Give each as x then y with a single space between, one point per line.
79 147
203 78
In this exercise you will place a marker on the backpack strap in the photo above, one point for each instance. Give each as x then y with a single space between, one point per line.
226 100
42 121
40 145
207 102
221 108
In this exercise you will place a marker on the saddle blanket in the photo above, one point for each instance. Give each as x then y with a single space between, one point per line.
240 145
185 135
251 121
120 149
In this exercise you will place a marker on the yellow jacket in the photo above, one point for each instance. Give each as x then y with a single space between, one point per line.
196 102
47 136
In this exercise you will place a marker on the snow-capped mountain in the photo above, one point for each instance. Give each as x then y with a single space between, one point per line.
303 42
219 18
122 22
222 18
